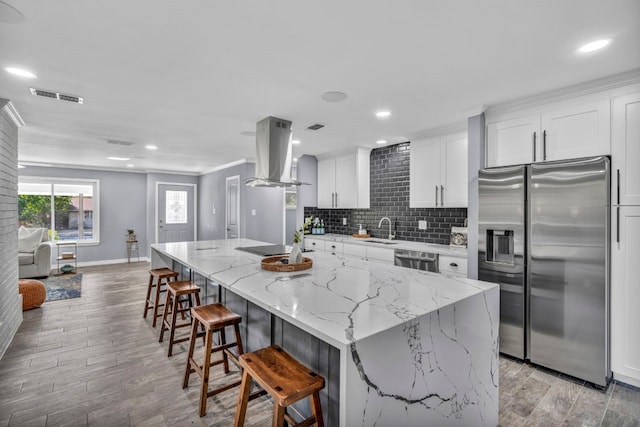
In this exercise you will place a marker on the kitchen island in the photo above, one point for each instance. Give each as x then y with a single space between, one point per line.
397 346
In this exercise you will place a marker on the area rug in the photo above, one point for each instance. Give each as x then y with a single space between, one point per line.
63 286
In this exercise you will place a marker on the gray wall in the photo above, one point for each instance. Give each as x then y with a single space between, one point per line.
476 138
307 169
266 225
10 302
122 206
150 191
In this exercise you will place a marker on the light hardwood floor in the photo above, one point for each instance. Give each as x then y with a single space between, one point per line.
95 361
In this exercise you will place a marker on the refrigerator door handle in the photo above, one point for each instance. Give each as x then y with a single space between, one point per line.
618 184
436 196
544 145
534 146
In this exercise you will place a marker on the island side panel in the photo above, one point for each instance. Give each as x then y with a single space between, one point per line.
439 369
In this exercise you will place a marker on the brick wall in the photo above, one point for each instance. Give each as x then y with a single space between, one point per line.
389 180
10 303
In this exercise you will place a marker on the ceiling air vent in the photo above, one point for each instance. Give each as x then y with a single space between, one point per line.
116 142
56 95
316 126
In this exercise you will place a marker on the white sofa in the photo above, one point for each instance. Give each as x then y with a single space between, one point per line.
34 252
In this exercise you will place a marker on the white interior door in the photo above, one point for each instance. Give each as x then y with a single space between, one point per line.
176 210
232 216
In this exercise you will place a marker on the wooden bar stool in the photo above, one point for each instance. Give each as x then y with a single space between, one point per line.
285 379
157 278
214 318
173 305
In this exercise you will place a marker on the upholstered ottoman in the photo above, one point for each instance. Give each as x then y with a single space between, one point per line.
33 293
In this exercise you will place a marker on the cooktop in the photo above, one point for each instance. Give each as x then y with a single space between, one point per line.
268 250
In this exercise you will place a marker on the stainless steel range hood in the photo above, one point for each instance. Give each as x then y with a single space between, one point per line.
273 154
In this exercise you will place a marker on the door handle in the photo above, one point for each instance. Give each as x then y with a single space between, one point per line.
436 196
534 146
442 195
544 145
453 264
618 225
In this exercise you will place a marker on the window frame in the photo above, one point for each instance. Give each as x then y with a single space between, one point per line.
52 181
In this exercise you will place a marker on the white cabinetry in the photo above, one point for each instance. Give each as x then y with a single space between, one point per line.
625 150
555 132
314 244
438 172
452 266
343 180
625 294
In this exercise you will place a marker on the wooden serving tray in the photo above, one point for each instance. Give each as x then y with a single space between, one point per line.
271 264
362 236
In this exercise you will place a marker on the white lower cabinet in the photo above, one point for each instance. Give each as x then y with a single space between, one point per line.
453 266
625 294
359 251
375 253
314 244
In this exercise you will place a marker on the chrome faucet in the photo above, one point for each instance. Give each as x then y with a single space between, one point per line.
392 234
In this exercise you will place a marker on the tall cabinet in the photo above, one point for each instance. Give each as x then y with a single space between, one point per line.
625 248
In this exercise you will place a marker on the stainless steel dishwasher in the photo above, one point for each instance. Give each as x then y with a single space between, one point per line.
416 259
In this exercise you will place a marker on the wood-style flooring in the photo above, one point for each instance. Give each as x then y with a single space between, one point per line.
95 361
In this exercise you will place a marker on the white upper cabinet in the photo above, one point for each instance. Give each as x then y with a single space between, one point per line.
625 150
438 172
343 180
555 132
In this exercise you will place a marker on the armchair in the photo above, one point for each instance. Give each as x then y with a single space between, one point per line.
34 252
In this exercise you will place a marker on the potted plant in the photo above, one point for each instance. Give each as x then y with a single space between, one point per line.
131 234
295 257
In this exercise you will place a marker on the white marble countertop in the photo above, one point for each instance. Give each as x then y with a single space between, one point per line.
340 300
397 244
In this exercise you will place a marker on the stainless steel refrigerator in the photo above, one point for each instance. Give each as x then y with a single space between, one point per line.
544 237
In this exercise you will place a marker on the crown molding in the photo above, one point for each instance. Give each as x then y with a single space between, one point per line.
608 83
224 166
456 127
10 109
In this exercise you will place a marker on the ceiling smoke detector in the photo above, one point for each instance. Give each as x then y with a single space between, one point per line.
56 95
314 127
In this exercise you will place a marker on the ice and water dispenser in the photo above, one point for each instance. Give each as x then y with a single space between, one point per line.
500 247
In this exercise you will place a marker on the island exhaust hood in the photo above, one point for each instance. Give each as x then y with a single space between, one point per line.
273 154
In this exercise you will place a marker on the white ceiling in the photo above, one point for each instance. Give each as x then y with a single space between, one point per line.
190 76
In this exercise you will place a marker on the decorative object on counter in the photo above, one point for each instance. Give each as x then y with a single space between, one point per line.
295 257
362 231
458 237
281 263
362 236
131 235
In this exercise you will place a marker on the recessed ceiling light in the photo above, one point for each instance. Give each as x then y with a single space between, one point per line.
381 141
124 159
295 159
20 72
334 96
130 165
593 46
150 147
295 141
383 114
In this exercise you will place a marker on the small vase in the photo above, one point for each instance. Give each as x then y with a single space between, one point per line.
295 257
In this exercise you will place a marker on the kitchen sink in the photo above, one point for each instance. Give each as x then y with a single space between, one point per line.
382 242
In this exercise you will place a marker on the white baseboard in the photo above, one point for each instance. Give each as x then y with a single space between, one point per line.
627 380
110 261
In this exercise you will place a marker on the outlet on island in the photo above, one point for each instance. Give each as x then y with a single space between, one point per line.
422 225
344 221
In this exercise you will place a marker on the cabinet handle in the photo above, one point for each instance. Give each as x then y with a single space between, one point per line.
544 145
453 264
336 200
333 200
442 195
535 136
618 185
436 196
618 225
313 244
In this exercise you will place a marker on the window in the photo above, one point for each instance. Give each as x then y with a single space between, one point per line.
176 207
291 199
67 208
